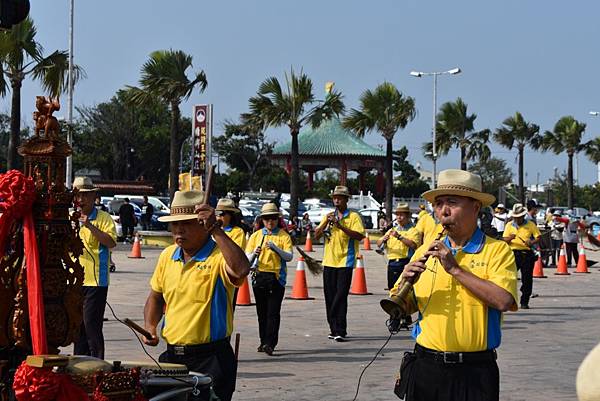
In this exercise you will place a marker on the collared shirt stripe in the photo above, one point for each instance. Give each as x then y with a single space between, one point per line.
218 312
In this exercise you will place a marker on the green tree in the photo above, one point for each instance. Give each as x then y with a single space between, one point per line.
456 128
409 184
22 56
517 132
386 110
164 77
294 105
565 137
494 173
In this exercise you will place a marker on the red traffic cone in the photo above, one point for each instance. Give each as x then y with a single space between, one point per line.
582 266
359 280
561 268
538 269
367 243
300 289
136 248
243 296
308 244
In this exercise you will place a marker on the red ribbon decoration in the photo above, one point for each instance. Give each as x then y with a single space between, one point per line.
17 194
41 384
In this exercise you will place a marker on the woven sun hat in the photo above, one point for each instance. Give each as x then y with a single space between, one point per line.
226 205
402 208
518 210
557 213
183 205
588 377
84 184
341 190
460 183
500 206
269 209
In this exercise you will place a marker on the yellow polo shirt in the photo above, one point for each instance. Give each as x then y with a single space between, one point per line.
397 249
451 318
237 235
428 226
341 250
96 257
269 260
198 295
524 232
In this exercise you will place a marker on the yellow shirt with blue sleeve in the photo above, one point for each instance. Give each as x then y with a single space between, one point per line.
237 235
524 232
451 318
341 250
96 257
198 295
269 261
396 249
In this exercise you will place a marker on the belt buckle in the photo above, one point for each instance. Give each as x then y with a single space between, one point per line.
453 357
179 350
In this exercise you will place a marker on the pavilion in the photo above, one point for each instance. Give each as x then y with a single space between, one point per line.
332 146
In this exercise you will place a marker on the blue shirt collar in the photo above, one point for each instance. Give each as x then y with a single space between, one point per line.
227 229
94 214
475 244
406 227
200 256
346 213
274 232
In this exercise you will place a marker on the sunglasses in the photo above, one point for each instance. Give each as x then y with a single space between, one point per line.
270 218
219 214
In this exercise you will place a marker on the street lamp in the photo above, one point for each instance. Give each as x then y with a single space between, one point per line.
596 114
420 74
69 167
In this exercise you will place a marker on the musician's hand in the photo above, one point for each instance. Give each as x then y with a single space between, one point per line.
512 237
154 341
206 215
440 251
394 234
257 250
84 219
331 218
413 270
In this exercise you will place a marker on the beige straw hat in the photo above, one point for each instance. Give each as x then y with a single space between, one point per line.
518 210
84 184
183 205
341 190
226 205
588 377
461 183
269 209
402 208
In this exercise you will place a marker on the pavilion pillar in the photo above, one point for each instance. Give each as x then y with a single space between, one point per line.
379 182
311 174
343 173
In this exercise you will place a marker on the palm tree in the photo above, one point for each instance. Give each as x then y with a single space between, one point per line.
455 128
164 77
565 137
592 150
22 56
386 110
517 132
294 105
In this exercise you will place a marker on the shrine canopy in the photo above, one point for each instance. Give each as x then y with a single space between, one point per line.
332 146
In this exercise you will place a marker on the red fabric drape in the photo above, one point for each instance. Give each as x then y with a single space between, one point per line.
41 384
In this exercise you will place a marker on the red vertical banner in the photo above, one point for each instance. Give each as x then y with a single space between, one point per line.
200 125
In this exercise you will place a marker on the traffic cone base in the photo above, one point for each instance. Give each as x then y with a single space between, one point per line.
359 279
538 269
243 296
367 243
136 248
308 245
561 268
300 289
582 265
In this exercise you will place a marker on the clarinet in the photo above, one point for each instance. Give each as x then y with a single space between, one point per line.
254 259
327 230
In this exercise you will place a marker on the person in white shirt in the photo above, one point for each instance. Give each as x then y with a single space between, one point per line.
557 228
570 237
500 217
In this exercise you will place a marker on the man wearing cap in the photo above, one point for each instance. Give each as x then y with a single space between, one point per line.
462 285
194 281
98 234
343 230
500 217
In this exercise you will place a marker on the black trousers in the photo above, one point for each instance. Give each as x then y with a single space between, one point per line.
268 296
435 381
213 359
525 261
91 339
336 285
394 270
571 250
127 229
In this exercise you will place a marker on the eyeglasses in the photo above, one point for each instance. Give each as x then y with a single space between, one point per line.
270 217
219 214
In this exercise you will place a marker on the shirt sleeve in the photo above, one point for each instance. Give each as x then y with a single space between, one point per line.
502 271
507 230
287 243
356 224
250 245
413 235
535 231
156 282
108 226
323 221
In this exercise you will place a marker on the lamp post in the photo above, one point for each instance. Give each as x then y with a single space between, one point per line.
420 74
69 172
596 114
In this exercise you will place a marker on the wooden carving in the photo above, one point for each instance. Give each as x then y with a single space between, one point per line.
44 120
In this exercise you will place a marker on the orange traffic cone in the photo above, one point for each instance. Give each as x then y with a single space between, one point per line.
359 280
136 249
538 269
243 296
300 289
598 236
582 266
561 268
308 244
367 243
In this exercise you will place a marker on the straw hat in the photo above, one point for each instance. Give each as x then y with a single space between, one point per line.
84 184
183 205
518 210
461 183
269 209
588 377
226 205
341 190
402 208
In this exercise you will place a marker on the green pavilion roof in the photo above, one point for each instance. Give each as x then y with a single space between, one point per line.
330 139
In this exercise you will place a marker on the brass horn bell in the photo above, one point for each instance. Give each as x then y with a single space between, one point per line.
396 304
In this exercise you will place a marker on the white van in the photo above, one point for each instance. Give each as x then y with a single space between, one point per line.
158 205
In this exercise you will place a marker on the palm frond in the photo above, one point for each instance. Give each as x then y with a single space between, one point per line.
52 71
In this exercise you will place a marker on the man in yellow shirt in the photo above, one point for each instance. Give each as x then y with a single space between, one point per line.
343 230
427 226
521 234
98 234
462 284
193 282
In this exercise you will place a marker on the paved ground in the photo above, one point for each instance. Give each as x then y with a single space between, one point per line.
541 347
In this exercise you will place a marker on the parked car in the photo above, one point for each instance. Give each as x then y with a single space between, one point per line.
154 223
317 214
155 201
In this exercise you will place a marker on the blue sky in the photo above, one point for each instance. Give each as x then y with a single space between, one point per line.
538 57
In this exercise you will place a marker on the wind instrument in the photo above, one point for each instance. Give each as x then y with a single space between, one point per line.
327 230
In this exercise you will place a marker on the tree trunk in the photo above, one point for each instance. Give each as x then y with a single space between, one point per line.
15 126
295 173
174 151
389 179
570 182
521 185
463 158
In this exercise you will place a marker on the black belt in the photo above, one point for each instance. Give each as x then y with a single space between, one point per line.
455 357
197 348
